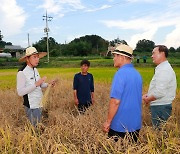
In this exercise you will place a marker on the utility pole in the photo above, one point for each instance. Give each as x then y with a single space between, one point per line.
97 48
1 36
46 30
28 41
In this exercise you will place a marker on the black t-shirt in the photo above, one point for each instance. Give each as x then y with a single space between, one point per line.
84 84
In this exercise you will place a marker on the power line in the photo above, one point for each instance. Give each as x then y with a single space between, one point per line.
111 6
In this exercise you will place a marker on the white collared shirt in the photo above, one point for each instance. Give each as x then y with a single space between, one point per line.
26 80
163 84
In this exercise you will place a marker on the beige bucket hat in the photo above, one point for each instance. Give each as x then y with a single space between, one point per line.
31 51
124 50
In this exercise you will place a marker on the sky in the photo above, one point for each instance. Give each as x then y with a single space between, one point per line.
129 20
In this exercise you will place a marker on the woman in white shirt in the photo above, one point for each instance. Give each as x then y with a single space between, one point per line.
29 84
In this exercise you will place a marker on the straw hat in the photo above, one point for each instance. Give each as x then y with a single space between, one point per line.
31 51
124 50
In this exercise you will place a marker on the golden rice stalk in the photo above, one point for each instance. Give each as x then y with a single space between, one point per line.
44 100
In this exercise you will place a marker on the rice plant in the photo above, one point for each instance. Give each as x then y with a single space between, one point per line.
64 130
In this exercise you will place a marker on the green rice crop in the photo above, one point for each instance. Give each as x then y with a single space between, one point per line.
101 74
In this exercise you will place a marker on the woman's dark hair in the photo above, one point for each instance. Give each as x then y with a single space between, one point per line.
163 48
22 67
85 62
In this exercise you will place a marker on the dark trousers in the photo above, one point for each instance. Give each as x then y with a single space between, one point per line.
116 135
83 107
160 114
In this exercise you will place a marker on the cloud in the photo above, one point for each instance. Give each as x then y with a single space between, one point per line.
72 37
148 35
51 7
36 30
97 9
173 39
130 24
61 7
76 4
12 17
146 28
148 1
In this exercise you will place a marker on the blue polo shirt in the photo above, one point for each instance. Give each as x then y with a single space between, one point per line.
84 84
127 87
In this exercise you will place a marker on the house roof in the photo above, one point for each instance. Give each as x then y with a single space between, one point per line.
14 47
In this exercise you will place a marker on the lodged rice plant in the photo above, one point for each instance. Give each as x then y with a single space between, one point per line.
64 130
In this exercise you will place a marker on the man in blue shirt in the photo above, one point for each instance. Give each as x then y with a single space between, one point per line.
83 86
125 106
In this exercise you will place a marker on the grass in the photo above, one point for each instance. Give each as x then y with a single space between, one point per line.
96 61
65 131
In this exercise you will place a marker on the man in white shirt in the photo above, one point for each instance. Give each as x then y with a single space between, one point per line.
162 89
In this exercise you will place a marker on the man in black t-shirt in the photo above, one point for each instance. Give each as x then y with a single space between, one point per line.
83 87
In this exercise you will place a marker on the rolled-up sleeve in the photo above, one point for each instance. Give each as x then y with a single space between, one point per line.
21 88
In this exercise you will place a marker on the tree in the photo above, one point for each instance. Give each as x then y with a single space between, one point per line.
81 48
54 47
117 41
172 50
6 50
178 49
8 43
41 45
144 46
3 43
85 45
96 44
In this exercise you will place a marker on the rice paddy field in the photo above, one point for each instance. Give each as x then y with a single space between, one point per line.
64 130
